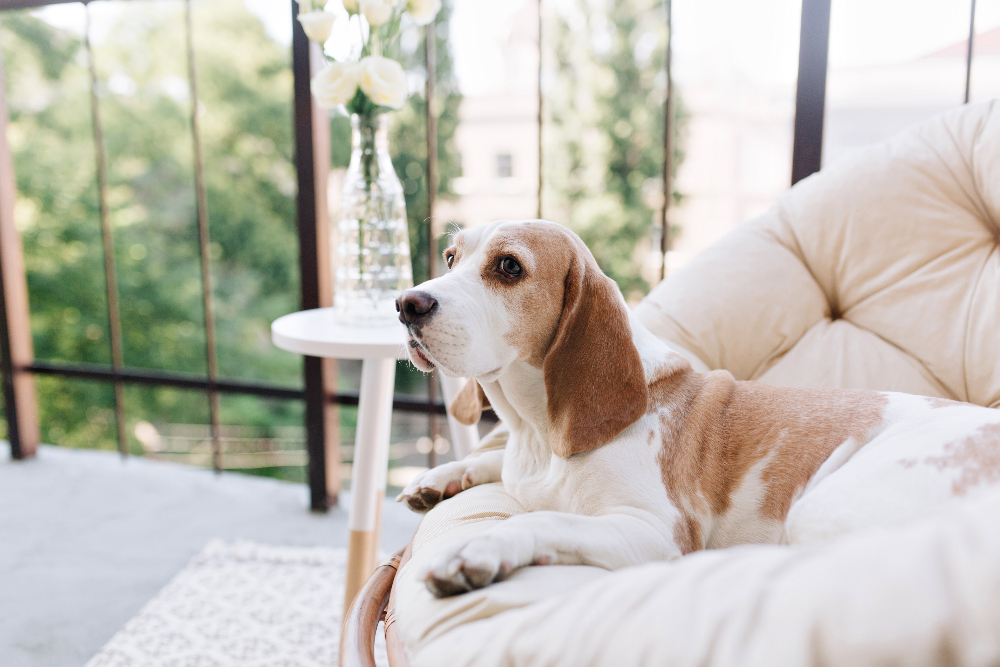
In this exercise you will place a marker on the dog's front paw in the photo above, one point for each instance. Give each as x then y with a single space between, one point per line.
473 564
480 561
432 486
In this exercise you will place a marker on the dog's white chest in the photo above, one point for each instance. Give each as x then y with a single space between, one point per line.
623 473
532 476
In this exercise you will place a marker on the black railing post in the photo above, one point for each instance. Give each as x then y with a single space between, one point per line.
204 238
539 95
107 239
810 93
312 162
668 140
968 51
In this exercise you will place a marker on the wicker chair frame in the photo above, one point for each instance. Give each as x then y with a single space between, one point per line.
375 602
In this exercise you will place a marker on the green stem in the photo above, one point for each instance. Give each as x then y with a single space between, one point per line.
367 127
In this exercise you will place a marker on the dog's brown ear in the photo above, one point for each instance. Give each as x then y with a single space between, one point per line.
469 403
594 381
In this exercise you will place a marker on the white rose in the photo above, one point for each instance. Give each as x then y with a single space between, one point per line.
423 11
351 6
383 81
378 12
336 84
318 24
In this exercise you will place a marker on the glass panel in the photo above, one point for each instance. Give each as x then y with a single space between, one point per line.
140 54
76 413
52 145
168 424
411 447
261 437
245 85
494 49
735 69
604 87
892 63
141 67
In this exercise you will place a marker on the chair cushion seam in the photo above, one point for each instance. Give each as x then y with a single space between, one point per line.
968 322
908 354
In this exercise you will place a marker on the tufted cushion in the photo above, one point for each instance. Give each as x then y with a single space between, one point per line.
915 596
882 271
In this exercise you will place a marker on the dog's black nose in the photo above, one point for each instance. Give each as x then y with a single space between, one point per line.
415 306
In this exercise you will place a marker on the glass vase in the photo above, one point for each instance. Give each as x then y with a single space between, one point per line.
372 242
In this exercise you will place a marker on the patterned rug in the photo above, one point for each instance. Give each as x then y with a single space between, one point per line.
241 605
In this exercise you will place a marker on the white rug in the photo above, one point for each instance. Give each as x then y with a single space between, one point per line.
241 605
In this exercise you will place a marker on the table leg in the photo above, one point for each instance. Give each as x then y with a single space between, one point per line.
464 438
368 476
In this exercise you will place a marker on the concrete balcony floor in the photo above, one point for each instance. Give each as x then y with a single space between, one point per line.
87 539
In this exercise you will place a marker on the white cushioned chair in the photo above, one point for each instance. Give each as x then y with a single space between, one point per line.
881 271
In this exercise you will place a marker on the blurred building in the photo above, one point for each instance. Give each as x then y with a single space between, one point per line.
868 104
497 135
737 96
738 138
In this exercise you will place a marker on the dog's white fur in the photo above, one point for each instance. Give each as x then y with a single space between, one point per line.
608 507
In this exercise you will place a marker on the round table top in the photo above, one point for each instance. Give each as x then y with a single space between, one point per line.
317 334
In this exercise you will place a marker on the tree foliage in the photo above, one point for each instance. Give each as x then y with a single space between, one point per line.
603 152
604 148
245 91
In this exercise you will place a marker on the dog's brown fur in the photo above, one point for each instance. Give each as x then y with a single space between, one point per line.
594 381
714 429
579 336
732 457
468 405
977 456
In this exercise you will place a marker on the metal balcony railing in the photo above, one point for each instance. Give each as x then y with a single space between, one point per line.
312 158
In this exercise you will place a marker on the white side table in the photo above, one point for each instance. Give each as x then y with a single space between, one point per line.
317 334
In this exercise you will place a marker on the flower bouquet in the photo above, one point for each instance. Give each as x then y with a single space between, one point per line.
371 240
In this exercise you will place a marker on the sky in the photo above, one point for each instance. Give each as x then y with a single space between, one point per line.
753 39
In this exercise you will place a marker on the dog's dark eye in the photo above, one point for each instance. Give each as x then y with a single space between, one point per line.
510 266
450 258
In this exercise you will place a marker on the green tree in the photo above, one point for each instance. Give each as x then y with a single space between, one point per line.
245 90
604 149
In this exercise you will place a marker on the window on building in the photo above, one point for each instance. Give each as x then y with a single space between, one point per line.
505 165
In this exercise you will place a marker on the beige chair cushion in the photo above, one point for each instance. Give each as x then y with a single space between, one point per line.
916 596
883 271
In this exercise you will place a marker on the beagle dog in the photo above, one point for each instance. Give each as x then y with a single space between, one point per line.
623 454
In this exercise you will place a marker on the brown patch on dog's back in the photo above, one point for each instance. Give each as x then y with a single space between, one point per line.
934 402
687 534
977 456
716 429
